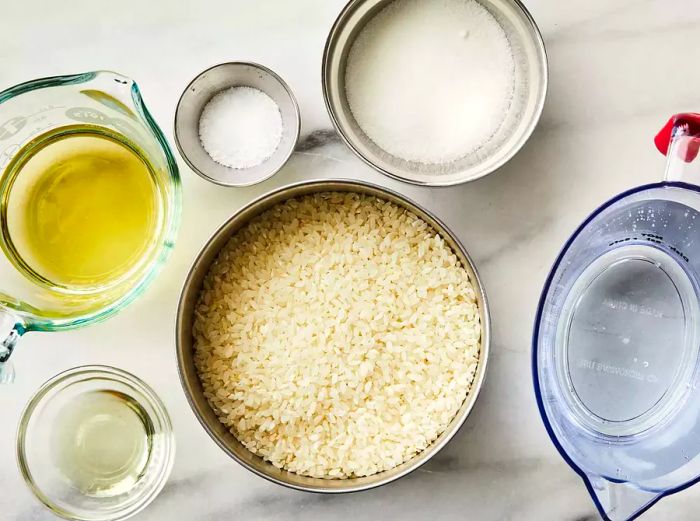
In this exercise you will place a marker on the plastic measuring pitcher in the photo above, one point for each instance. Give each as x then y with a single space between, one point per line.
617 336
39 121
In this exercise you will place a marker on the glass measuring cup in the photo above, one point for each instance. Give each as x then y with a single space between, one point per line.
109 107
615 346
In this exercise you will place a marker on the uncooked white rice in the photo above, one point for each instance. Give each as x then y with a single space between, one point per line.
336 335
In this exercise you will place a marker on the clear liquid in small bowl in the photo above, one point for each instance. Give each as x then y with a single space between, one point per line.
102 443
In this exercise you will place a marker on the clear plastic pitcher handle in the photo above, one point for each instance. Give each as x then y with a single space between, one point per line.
679 141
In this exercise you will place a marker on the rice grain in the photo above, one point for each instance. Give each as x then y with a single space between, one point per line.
336 335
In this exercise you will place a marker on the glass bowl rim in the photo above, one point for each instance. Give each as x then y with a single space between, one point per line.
108 373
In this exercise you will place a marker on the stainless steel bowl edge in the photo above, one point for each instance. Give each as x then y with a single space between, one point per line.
190 381
333 109
188 145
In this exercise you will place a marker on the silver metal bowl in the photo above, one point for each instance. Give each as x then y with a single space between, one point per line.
528 101
190 380
197 95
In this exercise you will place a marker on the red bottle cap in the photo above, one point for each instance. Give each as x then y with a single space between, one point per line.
689 124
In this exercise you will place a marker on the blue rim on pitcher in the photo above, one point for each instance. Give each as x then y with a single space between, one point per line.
594 301
586 478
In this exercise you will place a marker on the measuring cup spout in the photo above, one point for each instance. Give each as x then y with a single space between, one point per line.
116 92
126 111
619 501
679 140
11 329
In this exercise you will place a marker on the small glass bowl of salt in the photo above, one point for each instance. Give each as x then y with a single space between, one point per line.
237 124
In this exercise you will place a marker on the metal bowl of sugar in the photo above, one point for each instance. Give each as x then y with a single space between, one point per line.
237 124
435 93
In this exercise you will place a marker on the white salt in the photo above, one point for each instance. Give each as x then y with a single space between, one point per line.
430 81
240 127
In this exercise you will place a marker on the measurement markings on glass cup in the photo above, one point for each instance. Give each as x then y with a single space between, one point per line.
623 305
14 125
614 370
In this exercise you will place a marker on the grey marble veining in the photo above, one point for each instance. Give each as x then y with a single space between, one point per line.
618 69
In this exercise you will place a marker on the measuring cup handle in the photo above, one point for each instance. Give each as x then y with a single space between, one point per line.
679 141
11 329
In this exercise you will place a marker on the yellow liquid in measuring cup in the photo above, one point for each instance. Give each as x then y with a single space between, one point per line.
82 210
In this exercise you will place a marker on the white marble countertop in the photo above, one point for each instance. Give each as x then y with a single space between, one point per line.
618 69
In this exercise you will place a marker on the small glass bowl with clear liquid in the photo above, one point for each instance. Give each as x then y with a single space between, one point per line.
95 444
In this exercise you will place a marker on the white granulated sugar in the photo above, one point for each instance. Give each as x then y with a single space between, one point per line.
336 335
430 81
240 127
